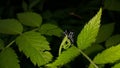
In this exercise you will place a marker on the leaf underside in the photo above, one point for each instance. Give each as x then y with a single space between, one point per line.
109 55
65 57
34 46
30 19
113 40
105 32
10 26
8 59
50 29
88 34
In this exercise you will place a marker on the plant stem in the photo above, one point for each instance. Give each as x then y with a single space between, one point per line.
34 29
88 59
10 44
61 45
73 14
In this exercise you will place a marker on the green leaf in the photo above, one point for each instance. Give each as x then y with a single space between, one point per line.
10 26
89 32
30 19
99 66
114 40
34 46
24 6
93 49
109 55
116 65
47 55
33 3
1 44
105 32
112 5
65 57
8 59
50 30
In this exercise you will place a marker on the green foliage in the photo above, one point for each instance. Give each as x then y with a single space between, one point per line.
112 41
8 59
109 55
30 19
89 32
1 44
50 30
93 49
34 46
24 6
65 44
116 65
33 3
40 41
65 57
105 32
10 26
112 5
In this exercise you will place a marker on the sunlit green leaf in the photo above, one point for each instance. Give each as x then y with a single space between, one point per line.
112 41
109 55
30 19
8 59
10 26
50 29
116 65
105 32
65 57
34 45
99 66
89 32
47 55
